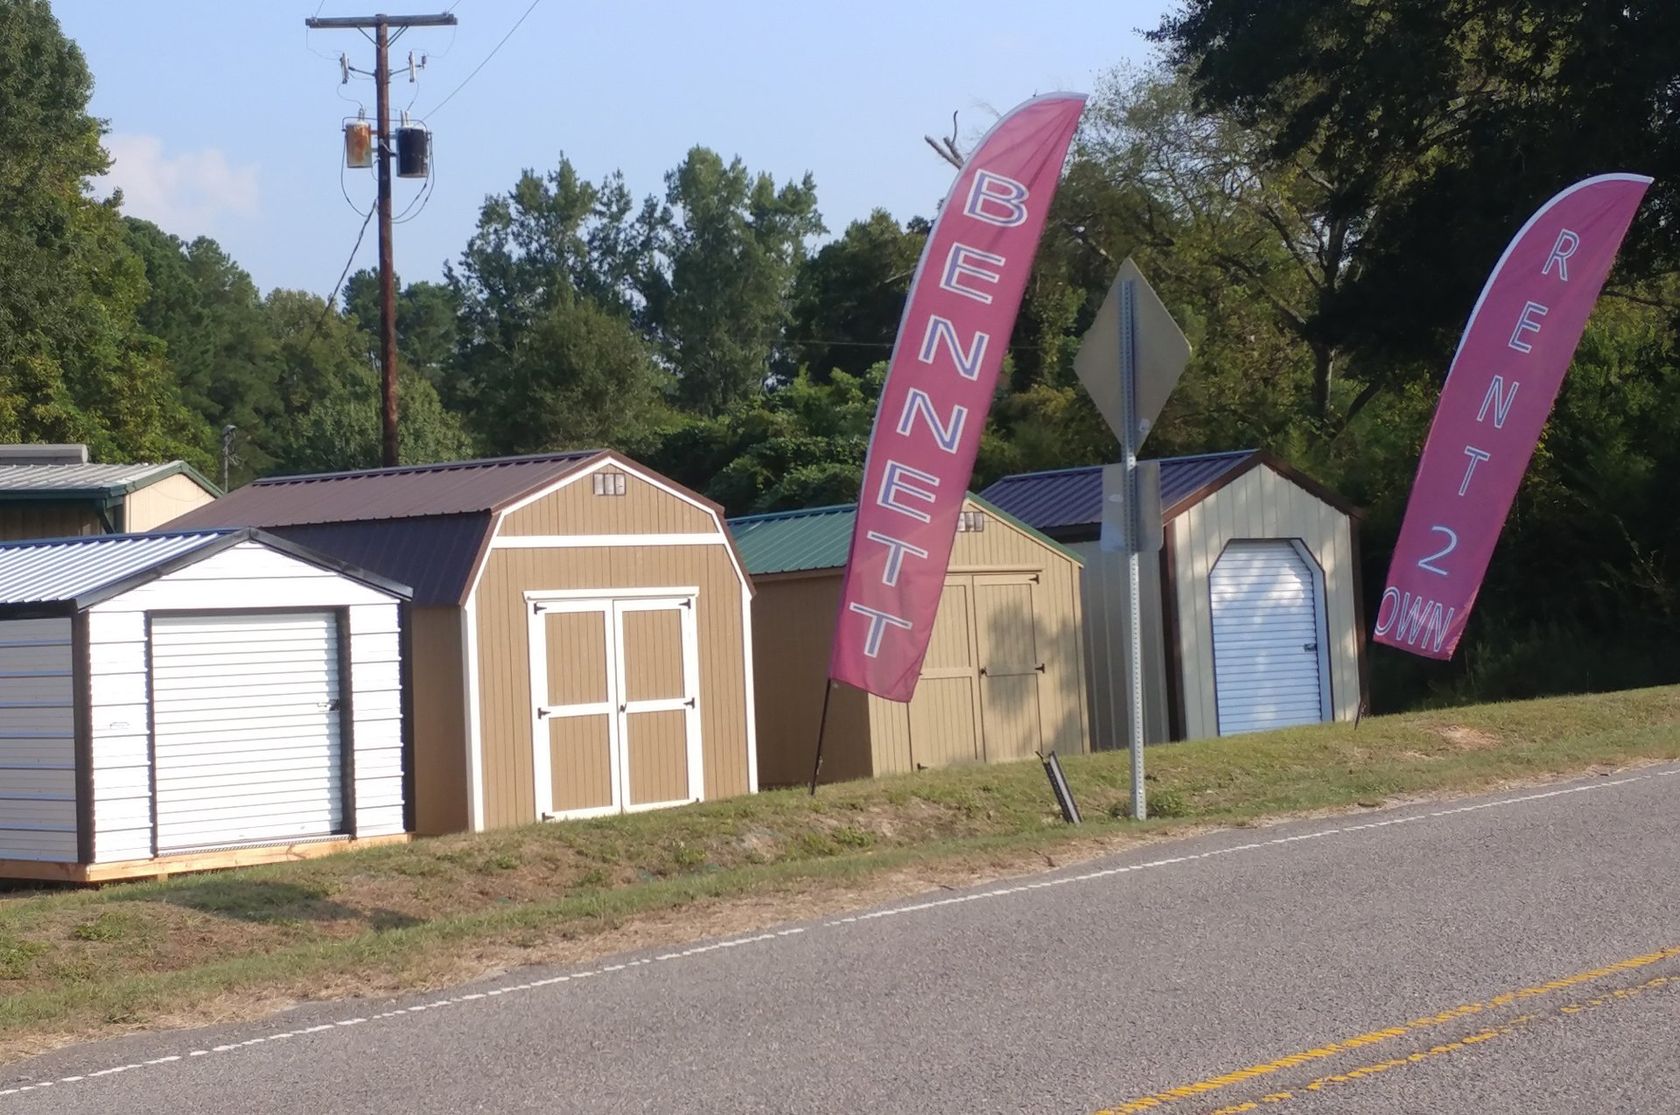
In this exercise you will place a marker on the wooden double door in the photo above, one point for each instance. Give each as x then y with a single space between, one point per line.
616 704
979 697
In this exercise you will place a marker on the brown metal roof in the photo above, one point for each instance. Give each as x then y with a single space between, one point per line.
435 555
408 491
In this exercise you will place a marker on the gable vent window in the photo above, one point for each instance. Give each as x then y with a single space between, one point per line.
971 522
609 483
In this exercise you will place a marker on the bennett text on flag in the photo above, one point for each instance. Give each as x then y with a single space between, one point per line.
945 362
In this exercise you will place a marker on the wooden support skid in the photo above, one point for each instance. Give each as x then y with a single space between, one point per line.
164 866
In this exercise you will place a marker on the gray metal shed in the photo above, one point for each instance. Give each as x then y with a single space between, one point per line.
1251 615
181 701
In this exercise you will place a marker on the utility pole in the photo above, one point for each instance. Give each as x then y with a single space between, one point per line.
383 142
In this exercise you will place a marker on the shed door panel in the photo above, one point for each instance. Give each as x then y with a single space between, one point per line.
580 762
945 711
247 729
659 701
1010 668
1268 649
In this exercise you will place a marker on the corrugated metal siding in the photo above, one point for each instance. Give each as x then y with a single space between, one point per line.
247 729
458 487
1067 498
154 505
438 651
26 519
376 677
433 555
576 509
504 671
37 741
1261 504
1108 645
241 577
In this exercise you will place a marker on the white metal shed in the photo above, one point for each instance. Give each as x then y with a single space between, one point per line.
182 701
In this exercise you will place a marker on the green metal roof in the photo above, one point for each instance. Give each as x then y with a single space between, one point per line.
818 537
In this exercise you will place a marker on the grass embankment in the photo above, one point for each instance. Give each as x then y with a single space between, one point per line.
200 947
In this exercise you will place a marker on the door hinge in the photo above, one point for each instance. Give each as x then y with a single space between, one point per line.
1039 667
689 703
542 712
982 671
1035 578
688 602
536 609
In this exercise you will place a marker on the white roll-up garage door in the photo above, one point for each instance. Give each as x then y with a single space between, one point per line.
1268 629
246 729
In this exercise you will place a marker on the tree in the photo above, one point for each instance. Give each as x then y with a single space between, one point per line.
848 298
74 365
578 377
1446 123
427 326
723 251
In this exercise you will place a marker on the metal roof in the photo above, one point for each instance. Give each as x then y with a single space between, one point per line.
1072 497
74 573
407 491
820 537
67 568
434 554
84 481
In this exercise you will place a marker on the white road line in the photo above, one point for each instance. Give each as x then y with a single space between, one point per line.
876 915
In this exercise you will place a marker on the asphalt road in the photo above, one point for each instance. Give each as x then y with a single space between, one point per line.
1511 954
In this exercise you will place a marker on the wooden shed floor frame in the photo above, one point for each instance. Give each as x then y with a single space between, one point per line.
187 862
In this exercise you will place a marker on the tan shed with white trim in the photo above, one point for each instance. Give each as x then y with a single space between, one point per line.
1003 676
579 635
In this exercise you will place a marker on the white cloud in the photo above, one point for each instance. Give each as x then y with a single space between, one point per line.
189 194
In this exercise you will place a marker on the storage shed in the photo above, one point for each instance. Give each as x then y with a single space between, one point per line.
1251 613
1003 676
580 628
51 491
202 699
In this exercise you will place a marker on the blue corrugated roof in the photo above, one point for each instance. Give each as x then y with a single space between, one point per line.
1072 497
819 537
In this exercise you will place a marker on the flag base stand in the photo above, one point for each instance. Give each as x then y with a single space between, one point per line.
822 732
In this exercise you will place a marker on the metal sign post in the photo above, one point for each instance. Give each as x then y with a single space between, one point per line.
1136 335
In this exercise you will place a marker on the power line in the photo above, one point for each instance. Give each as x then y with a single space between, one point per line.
484 63
332 296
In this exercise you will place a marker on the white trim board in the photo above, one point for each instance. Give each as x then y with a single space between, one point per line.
583 541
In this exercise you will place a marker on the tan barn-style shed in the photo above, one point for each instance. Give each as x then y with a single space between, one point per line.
51 491
1003 676
1252 613
580 628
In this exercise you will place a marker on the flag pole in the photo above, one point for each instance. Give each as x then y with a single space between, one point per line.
822 731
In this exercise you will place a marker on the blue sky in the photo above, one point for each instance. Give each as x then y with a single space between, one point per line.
224 117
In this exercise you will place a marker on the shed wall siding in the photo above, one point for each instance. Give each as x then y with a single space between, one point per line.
37 741
438 650
1262 504
1108 646
1058 611
576 509
168 499
246 576
504 656
45 519
793 631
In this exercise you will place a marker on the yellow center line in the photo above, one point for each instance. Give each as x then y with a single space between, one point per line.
1373 1037
1365 1072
